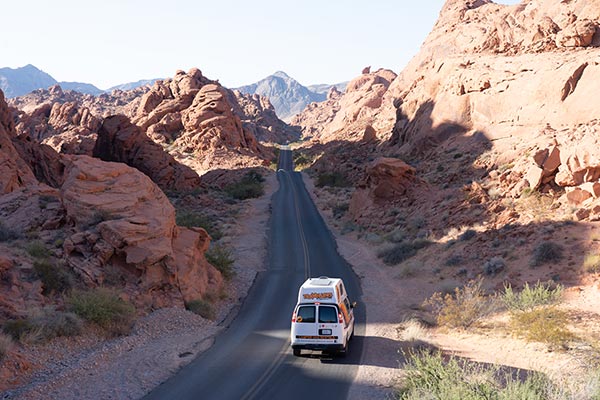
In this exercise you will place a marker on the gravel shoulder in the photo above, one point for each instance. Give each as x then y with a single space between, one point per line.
128 367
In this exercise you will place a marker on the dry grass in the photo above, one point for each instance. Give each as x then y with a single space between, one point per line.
6 344
413 332
591 263
543 324
464 307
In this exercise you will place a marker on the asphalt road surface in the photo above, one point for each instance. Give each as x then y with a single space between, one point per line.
252 358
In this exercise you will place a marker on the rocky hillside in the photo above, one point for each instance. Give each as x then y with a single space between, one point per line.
489 126
91 218
286 94
198 121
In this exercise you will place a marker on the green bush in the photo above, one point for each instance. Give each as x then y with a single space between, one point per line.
543 324
53 277
191 219
250 186
302 160
464 307
17 328
48 323
531 297
494 265
432 376
103 306
333 179
546 252
7 234
221 258
402 251
6 344
201 307
37 249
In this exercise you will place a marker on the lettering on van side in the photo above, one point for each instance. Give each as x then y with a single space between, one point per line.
318 296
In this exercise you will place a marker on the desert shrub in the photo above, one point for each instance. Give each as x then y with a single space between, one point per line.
48 323
250 186
531 297
467 235
103 307
191 219
37 249
494 265
402 251
333 179
462 308
453 261
340 209
6 343
221 258
17 328
433 376
396 236
7 234
201 307
546 252
53 277
409 269
591 262
302 160
543 324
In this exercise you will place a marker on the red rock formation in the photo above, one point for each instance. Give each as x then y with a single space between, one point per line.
121 141
14 173
123 219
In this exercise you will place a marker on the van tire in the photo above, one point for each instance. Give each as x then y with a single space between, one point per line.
297 352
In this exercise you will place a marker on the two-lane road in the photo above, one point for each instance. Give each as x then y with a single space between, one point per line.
252 359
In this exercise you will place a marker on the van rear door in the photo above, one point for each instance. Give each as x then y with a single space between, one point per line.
306 327
328 321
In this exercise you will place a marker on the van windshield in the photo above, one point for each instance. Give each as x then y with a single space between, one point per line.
306 314
327 314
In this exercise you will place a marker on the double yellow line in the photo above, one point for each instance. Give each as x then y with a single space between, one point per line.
264 378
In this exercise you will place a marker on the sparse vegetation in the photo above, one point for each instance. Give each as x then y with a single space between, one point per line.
221 258
16 328
103 307
402 251
543 324
333 179
531 297
591 262
54 278
42 325
302 160
464 307
467 235
454 261
340 209
201 307
494 265
546 252
7 234
250 186
433 376
191 219
6 343
37 249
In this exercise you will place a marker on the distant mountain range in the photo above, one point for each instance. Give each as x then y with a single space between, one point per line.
16 82
287 96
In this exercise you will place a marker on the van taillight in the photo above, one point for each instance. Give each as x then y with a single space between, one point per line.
340 318
294 317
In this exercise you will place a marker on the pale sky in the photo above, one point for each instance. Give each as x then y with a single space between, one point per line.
236 41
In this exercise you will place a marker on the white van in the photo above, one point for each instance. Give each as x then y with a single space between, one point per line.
323 318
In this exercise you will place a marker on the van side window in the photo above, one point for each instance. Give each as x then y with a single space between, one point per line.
306 314
328 314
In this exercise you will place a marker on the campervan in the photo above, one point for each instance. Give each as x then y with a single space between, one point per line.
323 318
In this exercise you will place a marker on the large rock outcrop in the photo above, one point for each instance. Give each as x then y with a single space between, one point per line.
123 219
121 141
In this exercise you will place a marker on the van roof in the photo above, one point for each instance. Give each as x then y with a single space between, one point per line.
322 281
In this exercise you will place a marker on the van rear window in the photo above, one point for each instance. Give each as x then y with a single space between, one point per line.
305 314
328 314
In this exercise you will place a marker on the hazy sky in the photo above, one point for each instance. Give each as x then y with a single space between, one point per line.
236 41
